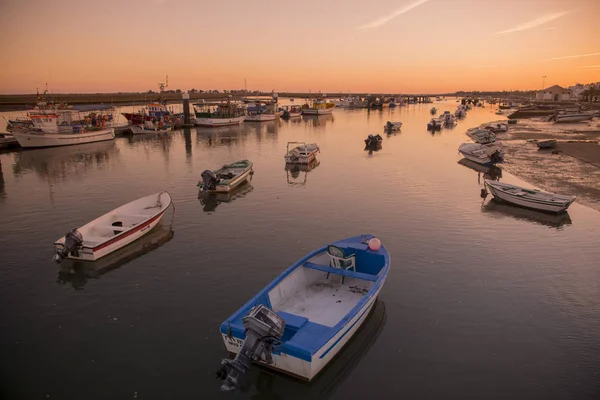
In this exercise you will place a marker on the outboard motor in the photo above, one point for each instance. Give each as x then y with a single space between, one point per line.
210 180
264 328
73 240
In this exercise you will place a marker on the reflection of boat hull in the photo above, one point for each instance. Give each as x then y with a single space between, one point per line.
210 201
140 130
29 139
210 122
77 272
553 220
491 171
271 385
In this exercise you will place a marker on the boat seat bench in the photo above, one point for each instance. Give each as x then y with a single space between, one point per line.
339 271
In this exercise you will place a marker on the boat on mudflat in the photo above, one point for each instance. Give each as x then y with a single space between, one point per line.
484 154
226 178
113 230
572 116
304 317
482 136
529 198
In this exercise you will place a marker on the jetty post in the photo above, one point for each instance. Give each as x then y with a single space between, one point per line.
186 109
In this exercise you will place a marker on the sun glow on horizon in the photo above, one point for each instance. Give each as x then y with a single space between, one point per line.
401 46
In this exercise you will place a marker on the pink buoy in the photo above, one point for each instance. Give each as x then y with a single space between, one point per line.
374 244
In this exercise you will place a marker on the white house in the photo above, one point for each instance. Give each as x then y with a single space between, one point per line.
553 93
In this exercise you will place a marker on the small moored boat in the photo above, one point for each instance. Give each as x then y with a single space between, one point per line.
482 153
547 144
301 153
226 178
300 321
392 126
482 136
373 140
530 198
434 124
113 230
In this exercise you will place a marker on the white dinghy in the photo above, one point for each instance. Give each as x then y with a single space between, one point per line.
484 154
529 198
113 230
301 153
226 178
482 136
301 320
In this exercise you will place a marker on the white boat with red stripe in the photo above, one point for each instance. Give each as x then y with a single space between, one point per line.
113 230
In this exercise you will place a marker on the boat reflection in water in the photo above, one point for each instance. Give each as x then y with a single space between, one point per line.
77 272
219 136
293 171
60 162
263 383
499 208
211 201
317 121
489 171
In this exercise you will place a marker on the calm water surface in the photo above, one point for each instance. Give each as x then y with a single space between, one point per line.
481 302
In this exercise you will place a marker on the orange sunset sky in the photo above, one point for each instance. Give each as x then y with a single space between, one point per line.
395 46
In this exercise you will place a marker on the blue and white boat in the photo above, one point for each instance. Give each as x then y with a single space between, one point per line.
301 320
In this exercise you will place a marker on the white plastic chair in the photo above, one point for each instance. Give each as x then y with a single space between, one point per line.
337 259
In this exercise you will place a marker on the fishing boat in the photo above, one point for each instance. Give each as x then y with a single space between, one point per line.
226 178
497 127
547 144
78 135
300 152
302 319
221 113
319 106
262 110
392 126
482 153
434 124
373 140
482 136
572 116
447 118
152 112
7 141
529 198
433 111
113 230
291 112
461 111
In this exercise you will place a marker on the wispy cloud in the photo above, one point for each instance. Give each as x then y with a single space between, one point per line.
535 23
575 56
590 66
549 29
383 20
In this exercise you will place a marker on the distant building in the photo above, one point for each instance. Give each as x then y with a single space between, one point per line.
578 89
553 93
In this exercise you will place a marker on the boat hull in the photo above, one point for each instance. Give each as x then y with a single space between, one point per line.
300 159
234 183
261 117
317 111
95 252
574 118
29 139
308 370
528 203
478 160
212 122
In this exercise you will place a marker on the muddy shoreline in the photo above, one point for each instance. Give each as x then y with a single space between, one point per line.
573 168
